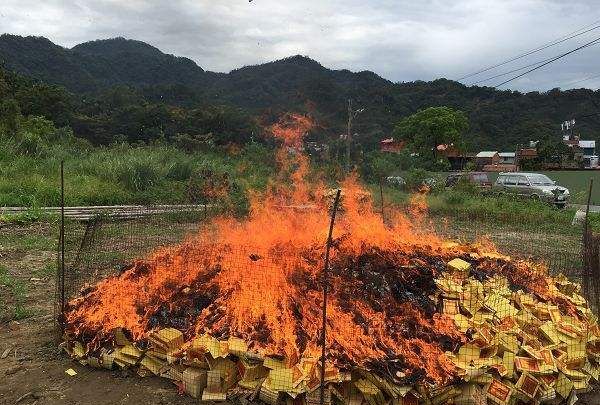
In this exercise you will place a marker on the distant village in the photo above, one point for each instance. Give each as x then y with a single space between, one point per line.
579 154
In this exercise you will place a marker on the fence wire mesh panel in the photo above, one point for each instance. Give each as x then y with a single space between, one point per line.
560 248
427 322
103 245
591 270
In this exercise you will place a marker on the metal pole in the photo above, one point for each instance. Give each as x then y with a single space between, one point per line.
62 238
349 135
586 245
381 197
587 210
325 291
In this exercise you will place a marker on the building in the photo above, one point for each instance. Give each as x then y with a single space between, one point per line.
588 149
507 158
524 154
584 152
390 145
501 168
486 158
457 159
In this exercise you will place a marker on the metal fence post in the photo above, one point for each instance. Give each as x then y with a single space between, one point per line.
325 291
62 243
587 248
381 198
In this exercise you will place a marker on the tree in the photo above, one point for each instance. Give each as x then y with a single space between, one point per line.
377 165
10 116
433 126
553 150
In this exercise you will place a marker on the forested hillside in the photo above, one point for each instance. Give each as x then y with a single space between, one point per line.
158 93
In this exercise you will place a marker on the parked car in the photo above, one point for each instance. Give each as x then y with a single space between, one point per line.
401 183
532 185
479 179
396 181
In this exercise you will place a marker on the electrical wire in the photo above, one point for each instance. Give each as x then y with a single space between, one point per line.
581 80
509 72
571 35
595 41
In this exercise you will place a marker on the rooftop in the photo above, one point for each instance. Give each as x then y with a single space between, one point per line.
486 154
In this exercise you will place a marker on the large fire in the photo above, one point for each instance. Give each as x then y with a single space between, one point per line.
259 279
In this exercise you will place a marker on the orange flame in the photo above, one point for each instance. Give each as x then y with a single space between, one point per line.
259 279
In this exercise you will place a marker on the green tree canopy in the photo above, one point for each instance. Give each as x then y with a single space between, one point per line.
433 126
10 114
552 149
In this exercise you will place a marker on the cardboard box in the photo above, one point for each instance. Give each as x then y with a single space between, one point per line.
499 393
194 381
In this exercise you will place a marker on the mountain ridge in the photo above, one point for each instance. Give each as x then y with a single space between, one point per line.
499 119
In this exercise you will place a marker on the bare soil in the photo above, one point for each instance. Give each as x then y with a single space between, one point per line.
33 371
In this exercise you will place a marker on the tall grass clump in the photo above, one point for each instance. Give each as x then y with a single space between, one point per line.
122 173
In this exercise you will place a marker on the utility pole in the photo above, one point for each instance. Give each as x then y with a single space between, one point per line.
349 135
351 115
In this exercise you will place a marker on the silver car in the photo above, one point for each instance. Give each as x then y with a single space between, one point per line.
532 185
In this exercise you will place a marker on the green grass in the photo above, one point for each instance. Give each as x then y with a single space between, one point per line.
125 174
518 227
48 270
18 291
30 242
32 214
497 210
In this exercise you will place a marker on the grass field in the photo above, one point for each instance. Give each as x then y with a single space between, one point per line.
129 174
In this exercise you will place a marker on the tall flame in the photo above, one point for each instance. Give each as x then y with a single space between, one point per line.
259 279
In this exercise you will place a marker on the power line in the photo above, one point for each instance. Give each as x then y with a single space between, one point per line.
581 80
541 48
510 71
550 61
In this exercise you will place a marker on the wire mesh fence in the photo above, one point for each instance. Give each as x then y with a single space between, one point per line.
156 295
560 248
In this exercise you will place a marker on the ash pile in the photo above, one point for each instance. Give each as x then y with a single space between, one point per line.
447 324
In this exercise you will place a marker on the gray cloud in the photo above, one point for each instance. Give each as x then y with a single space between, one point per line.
399 40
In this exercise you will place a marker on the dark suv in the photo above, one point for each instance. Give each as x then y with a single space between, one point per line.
480 179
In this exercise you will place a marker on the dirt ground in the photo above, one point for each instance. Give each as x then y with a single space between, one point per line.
33 369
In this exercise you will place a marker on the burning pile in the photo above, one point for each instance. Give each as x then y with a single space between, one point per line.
410 318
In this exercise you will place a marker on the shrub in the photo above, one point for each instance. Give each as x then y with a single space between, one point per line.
138 174
417 178
455 198
180 169
30 143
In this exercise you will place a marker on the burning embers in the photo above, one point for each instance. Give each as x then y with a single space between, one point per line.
380 313
408 317
402 323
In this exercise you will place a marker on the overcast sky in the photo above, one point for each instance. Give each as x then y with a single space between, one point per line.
399 40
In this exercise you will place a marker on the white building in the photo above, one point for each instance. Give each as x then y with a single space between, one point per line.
590 159
507 158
